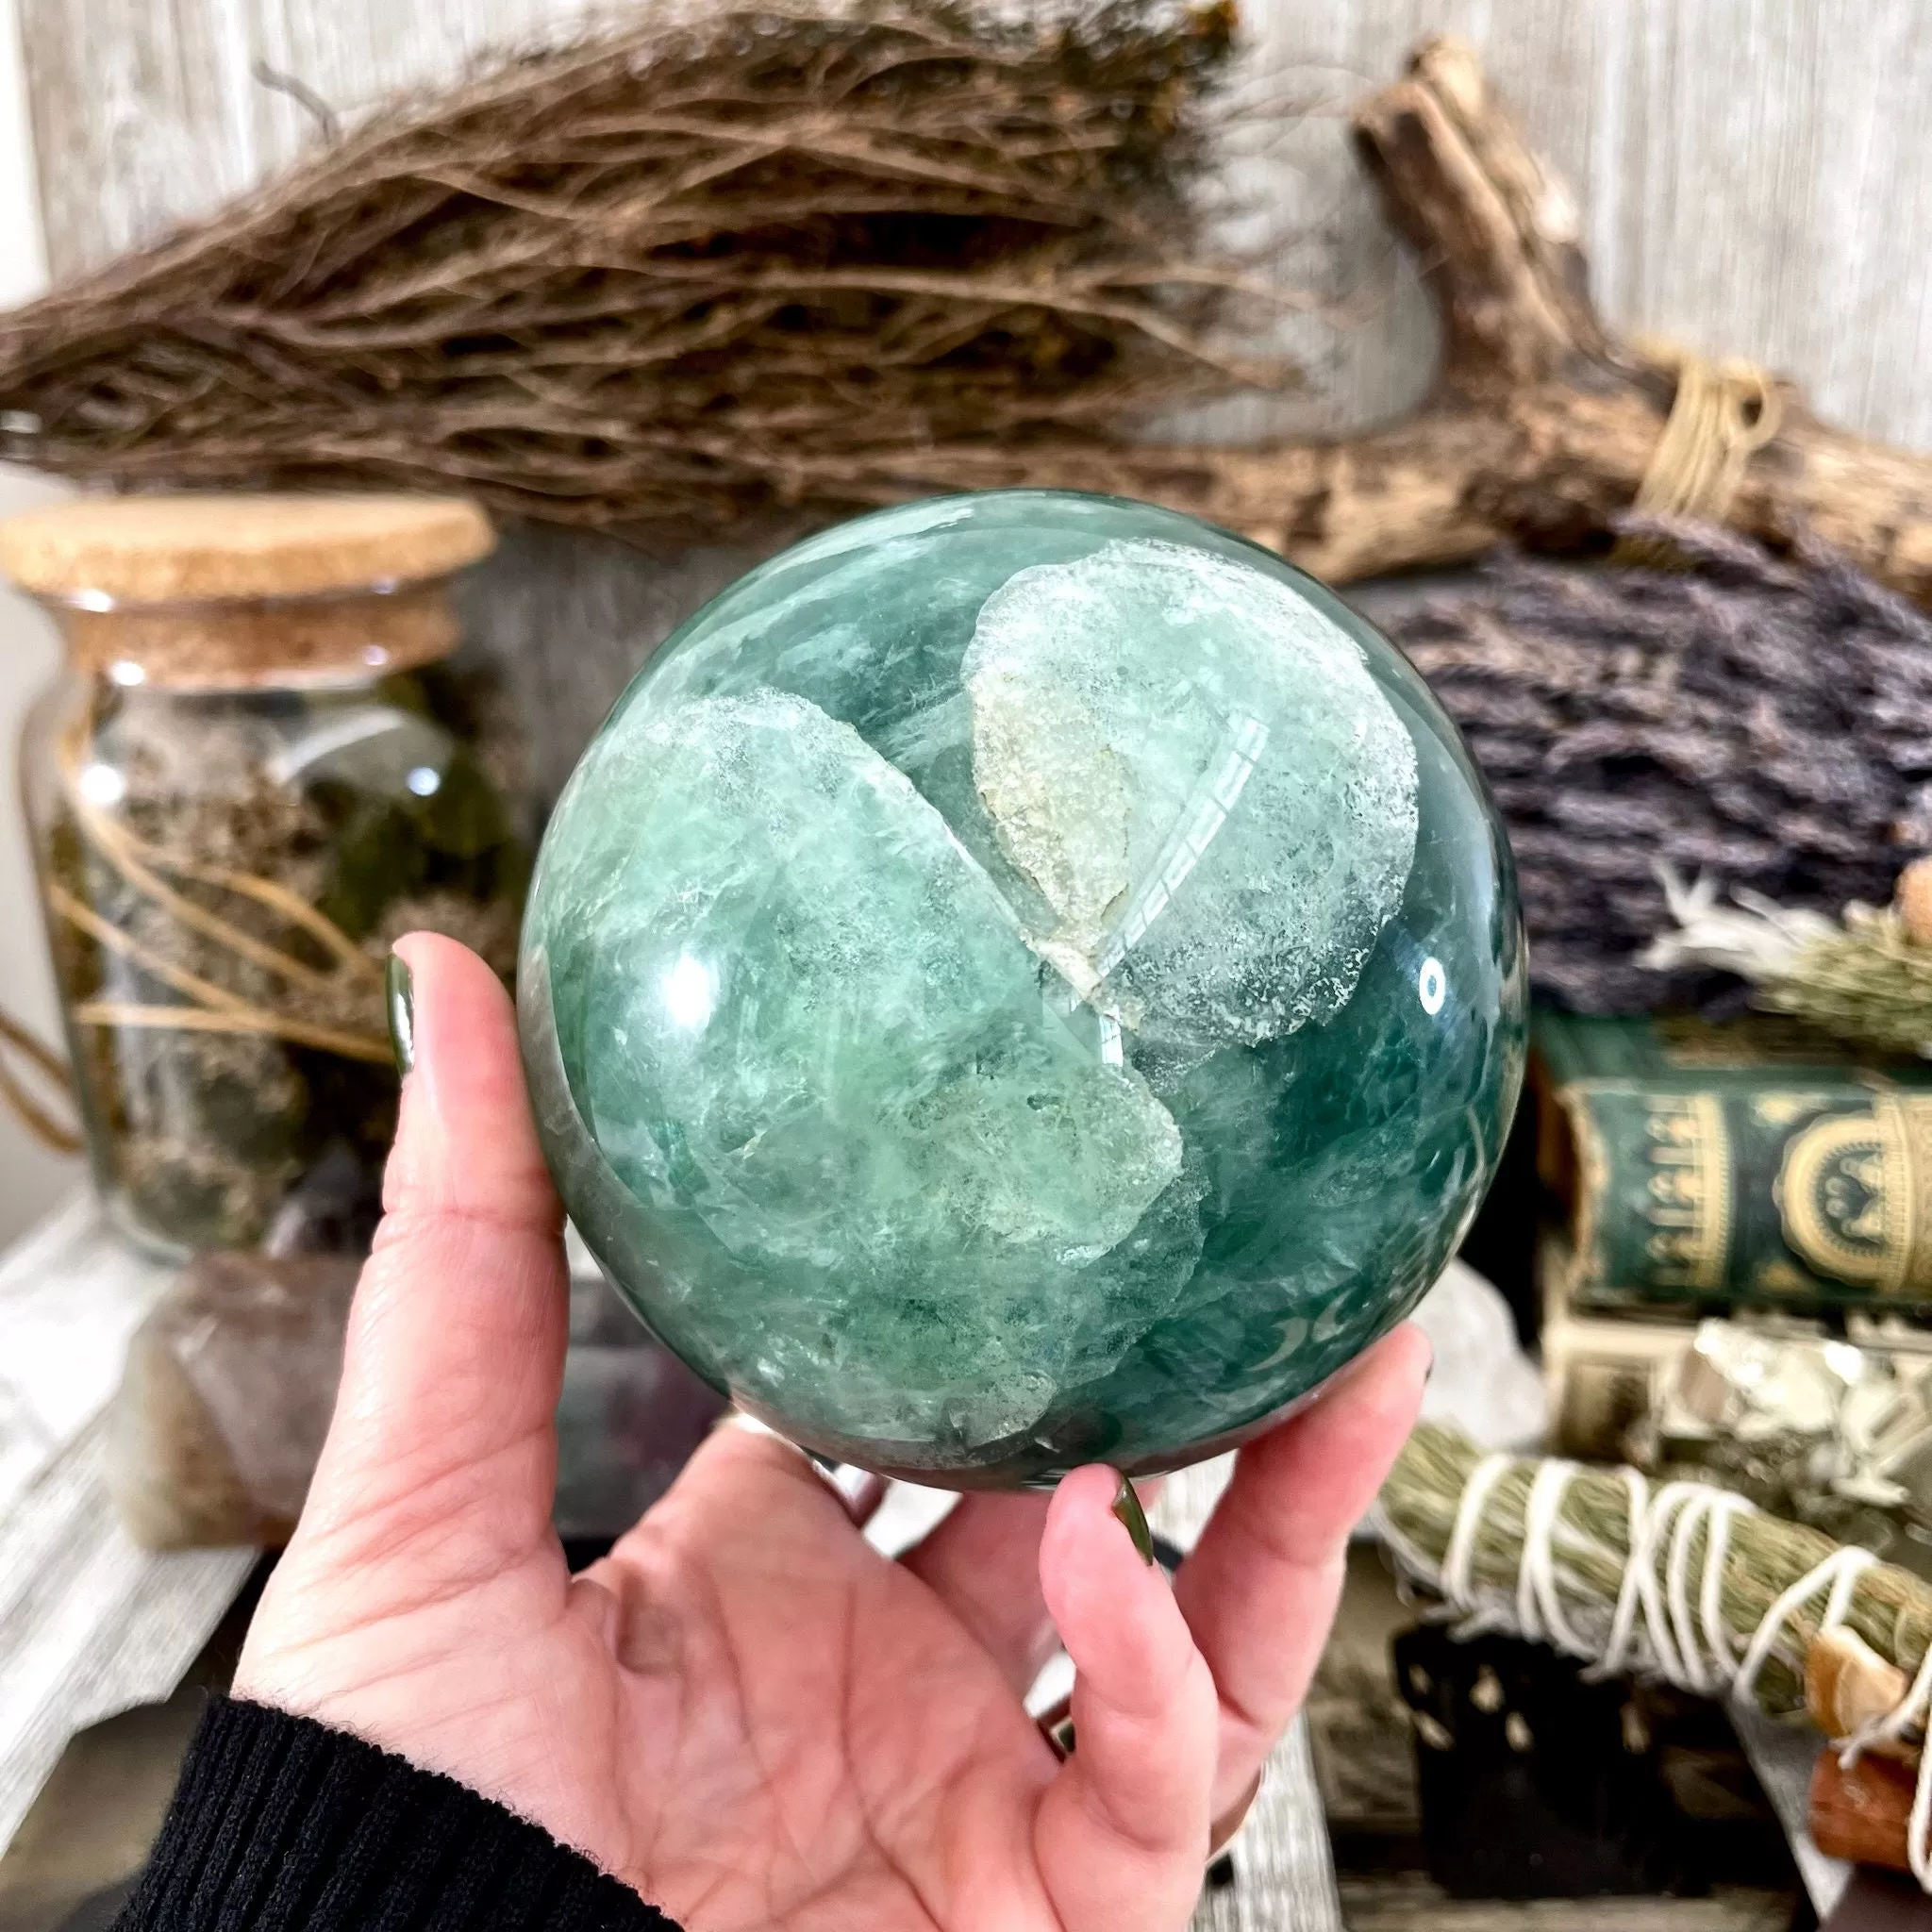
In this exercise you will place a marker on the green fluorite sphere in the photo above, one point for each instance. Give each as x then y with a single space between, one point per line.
1020 980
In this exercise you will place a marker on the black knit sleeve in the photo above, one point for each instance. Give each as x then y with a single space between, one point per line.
280 1823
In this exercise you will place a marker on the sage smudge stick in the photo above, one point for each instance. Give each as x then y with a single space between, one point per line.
1589 1537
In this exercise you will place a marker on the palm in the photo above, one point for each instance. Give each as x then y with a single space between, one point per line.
830 1747
745 1711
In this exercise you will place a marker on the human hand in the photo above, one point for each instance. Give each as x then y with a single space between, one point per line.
746 1711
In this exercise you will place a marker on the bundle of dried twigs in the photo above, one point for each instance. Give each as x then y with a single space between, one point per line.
1689 1583
690 273
1767 720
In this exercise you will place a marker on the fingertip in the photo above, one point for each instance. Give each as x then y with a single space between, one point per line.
1309 1481
1260 1588
1081 1529
452 994
1386 1380
1406 1349
1126 1818
1114 1609
465 1139
1079 1497
1409 1345
439 956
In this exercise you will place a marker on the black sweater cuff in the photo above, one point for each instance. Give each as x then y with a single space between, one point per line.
279 1823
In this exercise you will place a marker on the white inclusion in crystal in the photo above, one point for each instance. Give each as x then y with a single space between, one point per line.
1110 1053
1194 766
1332 1319
1292 1333
918 1174
1432 986
688 994
1206 814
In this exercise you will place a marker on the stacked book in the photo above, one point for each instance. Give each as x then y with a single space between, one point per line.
1751 1173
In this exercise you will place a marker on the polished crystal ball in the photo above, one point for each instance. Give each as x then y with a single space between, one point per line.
1020 980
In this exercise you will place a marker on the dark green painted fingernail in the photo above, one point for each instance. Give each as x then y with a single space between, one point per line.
1133 1519
401 1000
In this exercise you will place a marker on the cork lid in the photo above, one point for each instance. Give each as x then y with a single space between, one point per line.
216 548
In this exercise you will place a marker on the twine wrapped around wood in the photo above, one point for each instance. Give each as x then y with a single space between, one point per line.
1721 414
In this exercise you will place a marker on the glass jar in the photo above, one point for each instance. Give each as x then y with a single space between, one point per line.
262 764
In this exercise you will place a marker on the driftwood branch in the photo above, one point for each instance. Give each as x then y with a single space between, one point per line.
1542 422
660 282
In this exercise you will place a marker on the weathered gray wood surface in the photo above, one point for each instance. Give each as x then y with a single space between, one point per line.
1406 1902
89 1624
1755 174
568 616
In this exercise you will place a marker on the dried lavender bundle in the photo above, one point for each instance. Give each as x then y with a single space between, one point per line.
1765 720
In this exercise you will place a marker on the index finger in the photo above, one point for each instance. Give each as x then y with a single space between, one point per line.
454 1351
1260 1588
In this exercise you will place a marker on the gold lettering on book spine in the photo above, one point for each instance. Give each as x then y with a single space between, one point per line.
1855 1195
1690 1189
1592 1178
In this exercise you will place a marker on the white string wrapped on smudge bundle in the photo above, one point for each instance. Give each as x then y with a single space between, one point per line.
1678 1580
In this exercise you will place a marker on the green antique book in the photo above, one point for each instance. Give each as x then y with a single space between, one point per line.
1753 1164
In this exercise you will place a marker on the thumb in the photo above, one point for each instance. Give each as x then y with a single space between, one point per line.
453 1360
1122 1835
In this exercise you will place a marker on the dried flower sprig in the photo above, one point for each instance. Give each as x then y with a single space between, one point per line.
1867 979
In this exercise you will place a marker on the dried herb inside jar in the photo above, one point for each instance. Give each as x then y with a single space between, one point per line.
226 873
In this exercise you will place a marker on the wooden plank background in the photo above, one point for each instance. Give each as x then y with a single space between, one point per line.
1757 175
